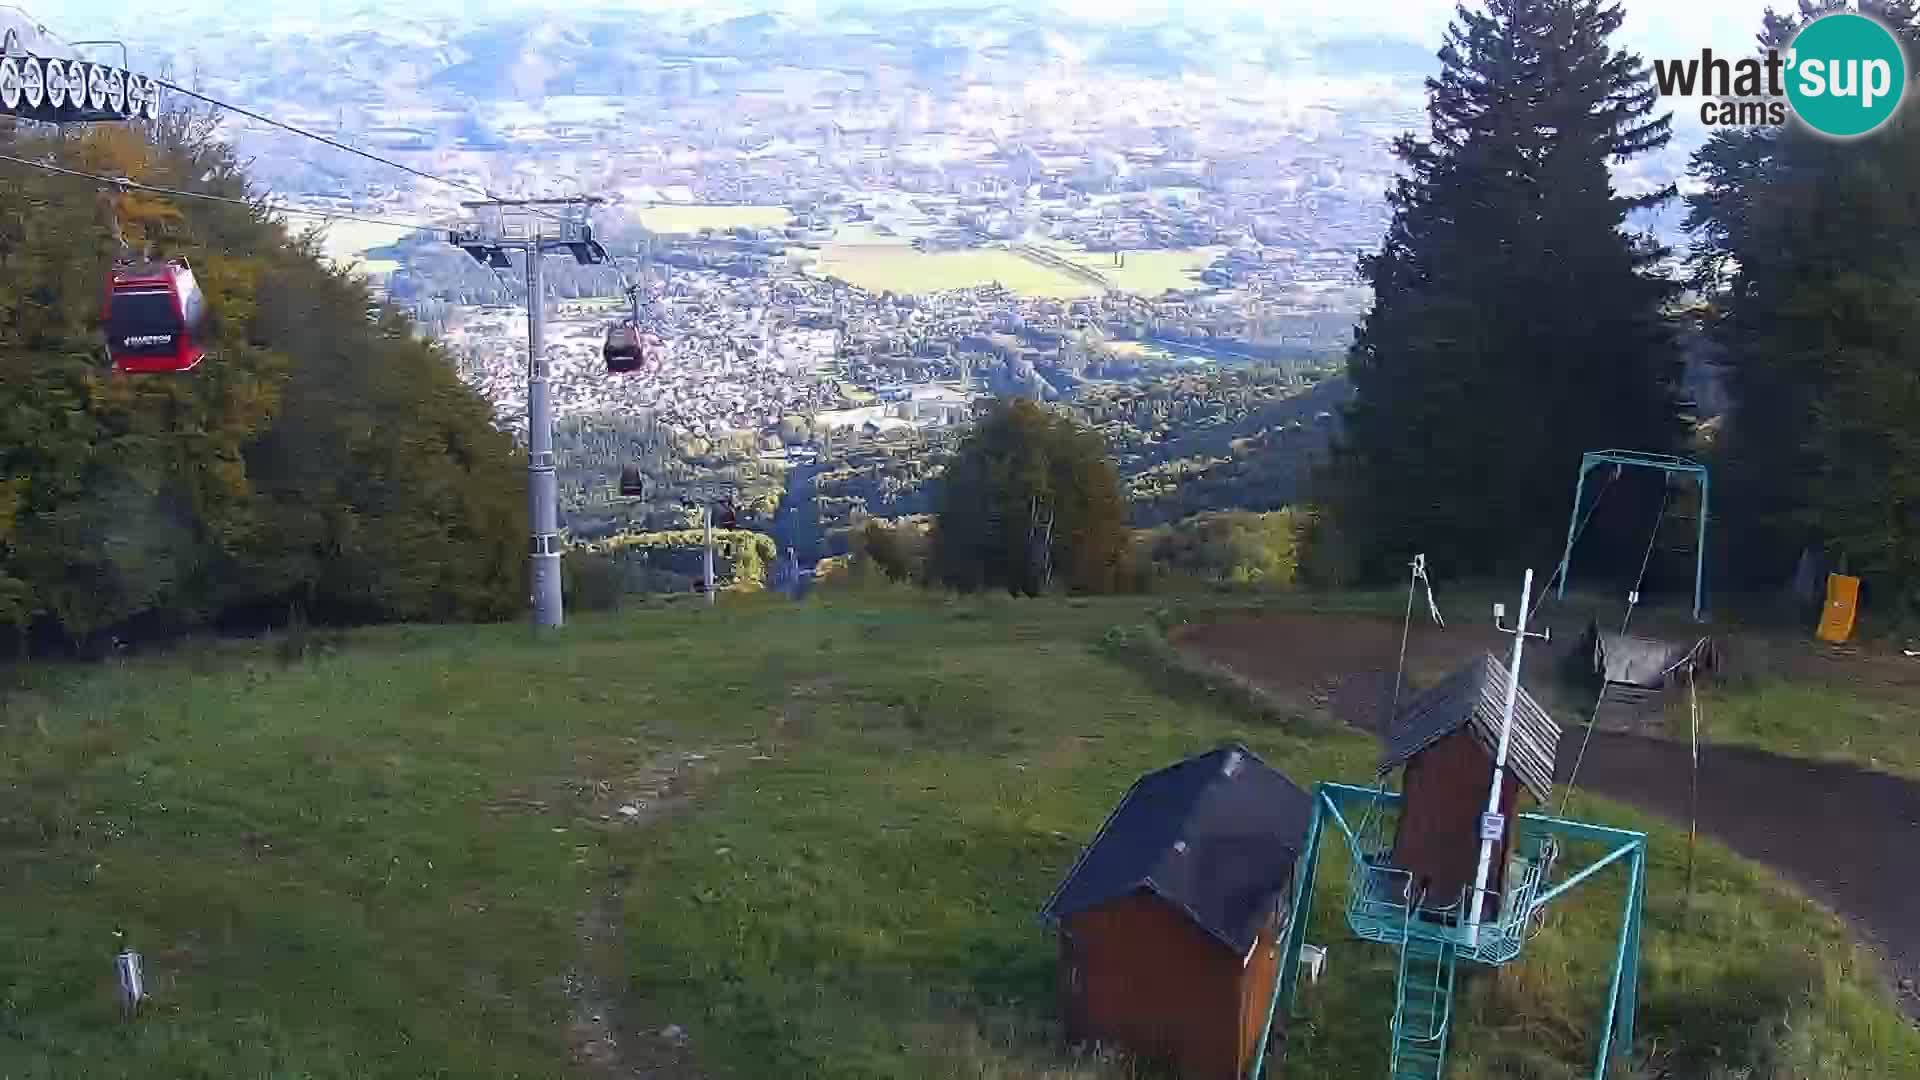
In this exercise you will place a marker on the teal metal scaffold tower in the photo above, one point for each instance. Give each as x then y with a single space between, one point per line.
1488 921
1433 940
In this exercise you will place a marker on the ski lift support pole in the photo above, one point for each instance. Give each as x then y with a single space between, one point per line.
1492 823
512 226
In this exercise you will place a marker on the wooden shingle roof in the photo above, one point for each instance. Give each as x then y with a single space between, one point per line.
1475 697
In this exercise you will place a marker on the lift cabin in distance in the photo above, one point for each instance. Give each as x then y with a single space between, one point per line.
626 351
156 318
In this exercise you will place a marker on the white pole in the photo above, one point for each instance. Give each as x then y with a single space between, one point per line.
1492 826
1406 626
542 488
706 521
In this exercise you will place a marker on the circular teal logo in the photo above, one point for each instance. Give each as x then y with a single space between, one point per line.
1846 74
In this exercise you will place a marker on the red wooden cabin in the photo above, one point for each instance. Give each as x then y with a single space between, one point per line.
1447 738
1169 924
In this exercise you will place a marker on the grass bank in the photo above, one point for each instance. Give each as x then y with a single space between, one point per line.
372 861
1879 731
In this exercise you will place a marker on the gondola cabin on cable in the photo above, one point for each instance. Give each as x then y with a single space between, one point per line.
155 317
626 350
1447 737
1170 922
633 484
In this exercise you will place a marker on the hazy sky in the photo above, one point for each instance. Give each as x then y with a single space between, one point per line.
1654 27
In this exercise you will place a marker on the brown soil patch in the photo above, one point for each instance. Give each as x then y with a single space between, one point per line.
1343 662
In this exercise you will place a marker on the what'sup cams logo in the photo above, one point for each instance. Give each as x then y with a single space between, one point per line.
1843 75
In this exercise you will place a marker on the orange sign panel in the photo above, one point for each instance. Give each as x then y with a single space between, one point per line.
1843 600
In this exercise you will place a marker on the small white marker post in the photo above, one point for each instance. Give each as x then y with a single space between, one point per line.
1493 824
706 525
132 983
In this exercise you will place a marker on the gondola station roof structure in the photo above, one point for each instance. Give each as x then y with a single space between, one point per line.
69 89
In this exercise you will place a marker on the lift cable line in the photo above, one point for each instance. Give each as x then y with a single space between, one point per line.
1578 531
1419 576
1626 620
127 184
251 114
476 189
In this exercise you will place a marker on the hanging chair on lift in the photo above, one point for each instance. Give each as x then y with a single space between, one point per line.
155 317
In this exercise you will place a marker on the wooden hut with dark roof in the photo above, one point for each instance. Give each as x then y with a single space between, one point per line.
1448 738
1169 923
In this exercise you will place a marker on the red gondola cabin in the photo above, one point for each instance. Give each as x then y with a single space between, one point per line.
626 349
1447 738
1170 923
155 317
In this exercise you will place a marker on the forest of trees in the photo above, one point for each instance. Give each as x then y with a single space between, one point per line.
679 472
1234 548
1810 250
325 464
1518 320
320 464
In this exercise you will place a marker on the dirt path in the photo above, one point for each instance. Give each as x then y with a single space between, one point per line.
612 1037
1848 836
609 1042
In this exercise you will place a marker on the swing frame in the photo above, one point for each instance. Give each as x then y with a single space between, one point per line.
1666 463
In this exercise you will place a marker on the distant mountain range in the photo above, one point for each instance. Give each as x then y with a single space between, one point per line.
445 75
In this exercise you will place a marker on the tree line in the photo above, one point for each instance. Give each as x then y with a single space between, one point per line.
1518 319
1810 250
322 463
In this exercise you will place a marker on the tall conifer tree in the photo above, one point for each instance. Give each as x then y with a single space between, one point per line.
1517 319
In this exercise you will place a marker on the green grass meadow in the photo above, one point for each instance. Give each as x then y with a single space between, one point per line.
367 856
902 268
1148 271
690 218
